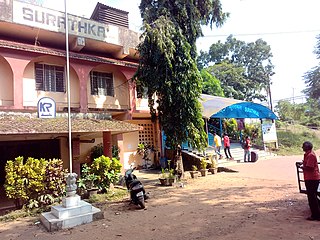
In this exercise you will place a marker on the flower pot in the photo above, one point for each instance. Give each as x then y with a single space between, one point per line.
203 172
170 181
163 181
92 191
194 174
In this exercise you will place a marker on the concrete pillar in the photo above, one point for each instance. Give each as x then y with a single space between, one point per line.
107 144
83 72
18 66
121 148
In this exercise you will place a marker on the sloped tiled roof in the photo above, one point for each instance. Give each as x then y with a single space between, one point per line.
61 53
13 124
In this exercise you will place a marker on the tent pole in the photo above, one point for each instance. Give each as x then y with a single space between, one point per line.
207 130
220 127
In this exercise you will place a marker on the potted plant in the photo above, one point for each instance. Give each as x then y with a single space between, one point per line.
203 169
171 177
163 177
86 182
214 165
167 176
194 172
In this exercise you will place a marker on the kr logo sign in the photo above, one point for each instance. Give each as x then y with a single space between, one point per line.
46 108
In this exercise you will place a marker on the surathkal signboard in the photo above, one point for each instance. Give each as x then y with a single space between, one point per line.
52 20
46 108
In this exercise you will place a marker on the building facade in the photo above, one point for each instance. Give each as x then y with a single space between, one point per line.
103 60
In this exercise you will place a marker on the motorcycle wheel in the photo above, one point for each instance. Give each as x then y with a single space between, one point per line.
141 202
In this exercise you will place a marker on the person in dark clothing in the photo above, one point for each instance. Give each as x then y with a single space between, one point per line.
311 178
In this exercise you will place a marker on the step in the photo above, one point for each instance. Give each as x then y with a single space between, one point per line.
61 218
63 213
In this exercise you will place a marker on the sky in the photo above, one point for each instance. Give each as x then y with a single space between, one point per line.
290 28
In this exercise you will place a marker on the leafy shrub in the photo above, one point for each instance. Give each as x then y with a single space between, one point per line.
15 180
35 183
87 179
104 170
54 181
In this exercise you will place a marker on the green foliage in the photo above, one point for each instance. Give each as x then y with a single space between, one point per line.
15 181
35 183
112 195
167 67
116 152
231 128
54 181
311 79
307 114
244 69
211 85
164 172
290 112
167 172
194 168
13 215
203 163
88 178
233 82
96 151
214 163
106 170
291 137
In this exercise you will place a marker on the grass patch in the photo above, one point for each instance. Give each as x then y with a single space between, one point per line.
21 213
291 138
116 194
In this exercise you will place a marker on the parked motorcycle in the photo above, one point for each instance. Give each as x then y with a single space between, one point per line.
135 187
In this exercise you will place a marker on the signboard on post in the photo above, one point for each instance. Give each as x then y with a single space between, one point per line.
46 108
269 133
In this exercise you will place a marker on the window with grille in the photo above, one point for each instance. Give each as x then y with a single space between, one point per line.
49 78
146 136
101 83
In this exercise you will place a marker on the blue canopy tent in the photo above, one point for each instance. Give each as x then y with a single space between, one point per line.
220 107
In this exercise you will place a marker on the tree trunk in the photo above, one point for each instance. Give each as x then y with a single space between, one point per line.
178 163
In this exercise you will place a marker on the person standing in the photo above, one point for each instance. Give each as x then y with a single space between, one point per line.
311 179
217 143
226 144
246 148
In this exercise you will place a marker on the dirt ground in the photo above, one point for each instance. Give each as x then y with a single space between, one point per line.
259 201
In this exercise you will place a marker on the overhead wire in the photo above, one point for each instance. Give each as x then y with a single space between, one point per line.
261 34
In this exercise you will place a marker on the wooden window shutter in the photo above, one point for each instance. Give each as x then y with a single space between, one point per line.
60 83
93 83
39 76
109 82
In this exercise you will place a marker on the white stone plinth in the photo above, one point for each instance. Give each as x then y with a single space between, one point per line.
71 201
62 217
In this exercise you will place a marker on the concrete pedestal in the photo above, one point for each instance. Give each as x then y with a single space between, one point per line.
72 212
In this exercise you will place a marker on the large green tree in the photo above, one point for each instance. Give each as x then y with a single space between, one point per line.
211 85
237 60
167 67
